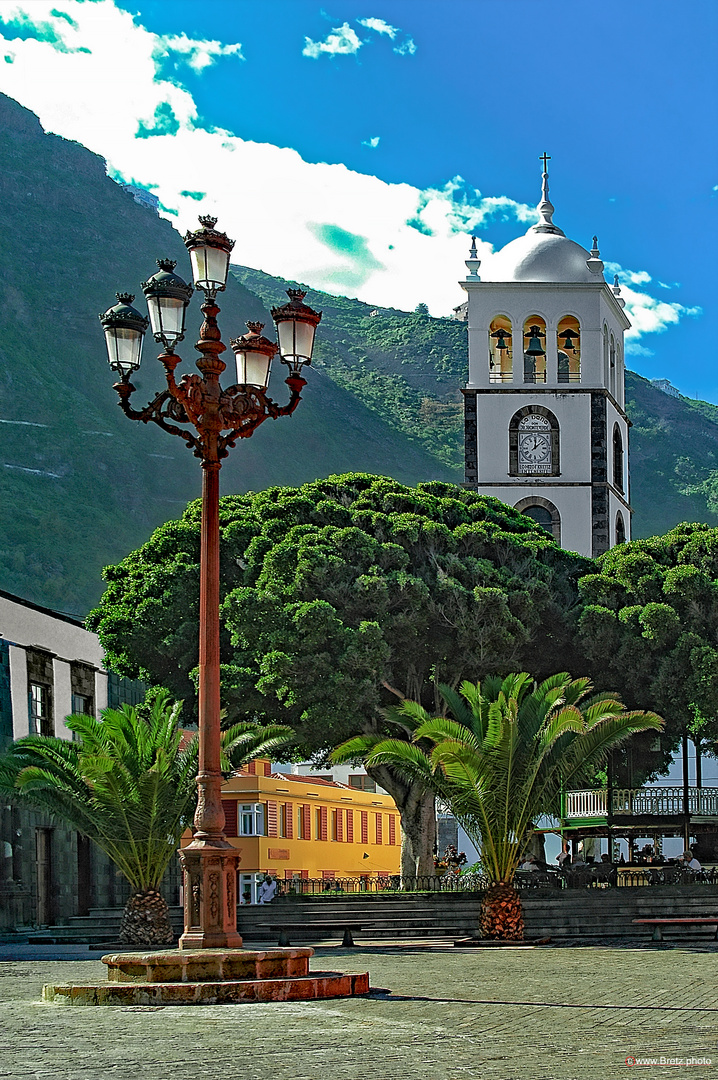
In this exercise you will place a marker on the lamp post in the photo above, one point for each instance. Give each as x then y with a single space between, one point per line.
210 419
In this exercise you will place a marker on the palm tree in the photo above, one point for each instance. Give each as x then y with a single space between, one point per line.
127 783
500 761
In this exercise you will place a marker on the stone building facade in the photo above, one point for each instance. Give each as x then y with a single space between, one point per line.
50 667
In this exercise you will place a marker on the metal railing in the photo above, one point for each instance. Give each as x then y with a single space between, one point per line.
501 376
390 883
657 801
599 876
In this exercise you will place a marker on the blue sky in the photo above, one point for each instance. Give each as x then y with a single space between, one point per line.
355 146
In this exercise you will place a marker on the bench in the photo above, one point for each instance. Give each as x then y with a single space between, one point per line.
658 923
346 927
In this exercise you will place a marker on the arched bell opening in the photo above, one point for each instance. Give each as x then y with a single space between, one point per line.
620 529
544 513
569 350
500 350
535 349
605 355
612 365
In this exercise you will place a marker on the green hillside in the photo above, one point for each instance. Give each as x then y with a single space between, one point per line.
80 485
406 368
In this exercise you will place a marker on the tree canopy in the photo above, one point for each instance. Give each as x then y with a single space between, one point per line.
340 597
339 590
648 625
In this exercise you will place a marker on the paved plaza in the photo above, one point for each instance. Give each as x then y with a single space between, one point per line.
449 1014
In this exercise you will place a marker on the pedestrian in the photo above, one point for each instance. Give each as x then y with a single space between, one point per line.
267 890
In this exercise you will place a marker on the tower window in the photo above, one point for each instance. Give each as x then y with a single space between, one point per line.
569 350
620 529
544 513
612 355
535 350
500 350
617 458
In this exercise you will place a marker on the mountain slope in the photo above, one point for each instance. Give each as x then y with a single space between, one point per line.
79 484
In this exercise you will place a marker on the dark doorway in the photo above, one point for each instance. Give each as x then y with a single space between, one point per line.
43 864
84 875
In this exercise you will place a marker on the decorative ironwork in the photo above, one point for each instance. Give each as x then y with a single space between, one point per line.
202 403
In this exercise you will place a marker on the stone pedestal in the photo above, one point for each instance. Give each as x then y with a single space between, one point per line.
210 896
209 977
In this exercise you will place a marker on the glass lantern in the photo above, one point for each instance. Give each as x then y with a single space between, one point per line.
254 357
167 299
296 326
209 253
124 329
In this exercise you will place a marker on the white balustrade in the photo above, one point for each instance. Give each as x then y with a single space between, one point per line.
654 801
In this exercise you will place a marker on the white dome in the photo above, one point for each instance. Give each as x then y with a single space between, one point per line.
540 256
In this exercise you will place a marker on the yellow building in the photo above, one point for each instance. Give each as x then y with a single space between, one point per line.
293 826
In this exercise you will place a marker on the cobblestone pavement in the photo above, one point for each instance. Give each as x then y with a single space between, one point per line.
519 1014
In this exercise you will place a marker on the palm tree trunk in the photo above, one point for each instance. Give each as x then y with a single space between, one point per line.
502 916
146 921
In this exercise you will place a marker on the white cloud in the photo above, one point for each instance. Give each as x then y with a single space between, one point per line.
372 143
651 316
406 48
380 26
343 41
94 74
628 277
196 54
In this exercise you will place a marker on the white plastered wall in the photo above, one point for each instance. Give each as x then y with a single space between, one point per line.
24 626
494 412
572 503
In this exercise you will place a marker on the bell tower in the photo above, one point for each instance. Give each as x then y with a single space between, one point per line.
545 425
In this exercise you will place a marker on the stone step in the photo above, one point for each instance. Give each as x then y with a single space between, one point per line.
318 986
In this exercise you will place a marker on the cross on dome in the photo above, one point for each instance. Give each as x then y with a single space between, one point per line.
545 207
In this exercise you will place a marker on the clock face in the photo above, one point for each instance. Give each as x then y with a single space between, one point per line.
535 448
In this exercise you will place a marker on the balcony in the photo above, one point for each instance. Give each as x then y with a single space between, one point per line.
658 802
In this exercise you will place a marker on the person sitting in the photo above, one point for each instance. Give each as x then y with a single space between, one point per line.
690 862
564 858
529 863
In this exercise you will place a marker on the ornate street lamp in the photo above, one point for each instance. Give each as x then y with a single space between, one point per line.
210 419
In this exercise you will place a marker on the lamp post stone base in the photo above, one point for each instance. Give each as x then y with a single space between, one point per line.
210 895
209 977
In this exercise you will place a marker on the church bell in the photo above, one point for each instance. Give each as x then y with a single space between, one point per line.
500 339
568 335
535 348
